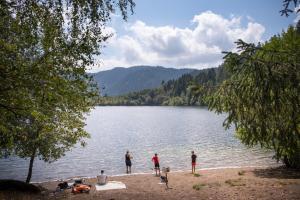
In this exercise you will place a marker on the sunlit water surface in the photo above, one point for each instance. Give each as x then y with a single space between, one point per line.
172 132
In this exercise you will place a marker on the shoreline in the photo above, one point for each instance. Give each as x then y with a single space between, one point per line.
149 173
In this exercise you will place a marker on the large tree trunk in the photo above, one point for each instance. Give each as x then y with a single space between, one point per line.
30 166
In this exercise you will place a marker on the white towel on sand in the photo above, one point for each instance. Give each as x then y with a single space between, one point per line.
111 185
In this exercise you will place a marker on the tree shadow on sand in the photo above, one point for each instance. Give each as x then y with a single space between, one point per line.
278 172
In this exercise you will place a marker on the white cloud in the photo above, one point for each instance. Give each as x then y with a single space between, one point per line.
198 46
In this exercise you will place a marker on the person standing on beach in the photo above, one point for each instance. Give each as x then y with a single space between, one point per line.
128 158
193 157
156 164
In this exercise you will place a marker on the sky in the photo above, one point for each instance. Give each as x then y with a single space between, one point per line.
188 33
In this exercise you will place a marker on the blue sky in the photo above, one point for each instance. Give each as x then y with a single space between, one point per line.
188 33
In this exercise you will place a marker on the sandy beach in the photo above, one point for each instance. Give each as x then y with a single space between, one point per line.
234 183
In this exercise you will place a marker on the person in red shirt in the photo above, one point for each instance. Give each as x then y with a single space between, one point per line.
156 164
193 157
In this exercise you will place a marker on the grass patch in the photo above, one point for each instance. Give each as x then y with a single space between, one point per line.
235 182
197 175
215 184
198 186
283 183
241 173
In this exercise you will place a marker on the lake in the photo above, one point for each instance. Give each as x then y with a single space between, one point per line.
172 132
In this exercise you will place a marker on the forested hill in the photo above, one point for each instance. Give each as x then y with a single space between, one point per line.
189 89
119 81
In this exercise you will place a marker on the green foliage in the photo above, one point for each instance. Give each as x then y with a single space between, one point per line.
45 47
199 186
263 93
174 101
241 173
235 182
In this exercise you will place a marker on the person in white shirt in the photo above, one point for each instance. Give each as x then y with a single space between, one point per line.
102 178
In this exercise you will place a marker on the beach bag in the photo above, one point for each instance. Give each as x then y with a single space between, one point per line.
81 188
78 181
63 185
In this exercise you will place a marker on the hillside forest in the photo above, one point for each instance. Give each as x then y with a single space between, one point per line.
190 89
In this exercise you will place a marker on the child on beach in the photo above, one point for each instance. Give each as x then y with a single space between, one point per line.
193 157
164 179
128 158
156 164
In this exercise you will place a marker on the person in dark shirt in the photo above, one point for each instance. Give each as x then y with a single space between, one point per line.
194 157
156 164
128 158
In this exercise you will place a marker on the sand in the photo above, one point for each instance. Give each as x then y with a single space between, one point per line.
242 183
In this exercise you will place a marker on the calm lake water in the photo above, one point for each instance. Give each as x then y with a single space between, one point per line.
172 132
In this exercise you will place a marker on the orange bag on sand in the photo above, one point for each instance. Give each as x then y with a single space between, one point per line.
80 188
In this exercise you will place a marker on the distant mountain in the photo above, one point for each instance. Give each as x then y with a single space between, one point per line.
119 81
189 90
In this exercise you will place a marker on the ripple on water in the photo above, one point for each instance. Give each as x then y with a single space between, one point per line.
172 132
